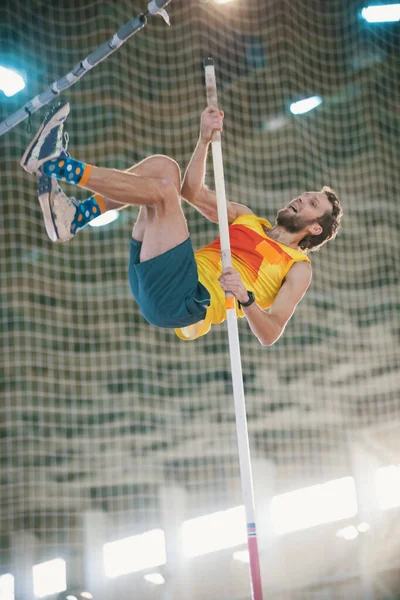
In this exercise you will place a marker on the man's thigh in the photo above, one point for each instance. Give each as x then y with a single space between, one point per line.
166 226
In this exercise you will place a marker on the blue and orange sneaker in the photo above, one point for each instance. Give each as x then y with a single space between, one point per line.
48 141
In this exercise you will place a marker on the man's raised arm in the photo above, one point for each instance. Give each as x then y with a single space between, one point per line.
194 189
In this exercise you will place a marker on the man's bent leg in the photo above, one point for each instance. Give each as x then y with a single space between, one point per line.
65 217
162 270
166 225
45 155
152 166
157 166
120 186
161 224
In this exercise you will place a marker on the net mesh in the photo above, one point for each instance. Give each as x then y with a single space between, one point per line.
100 411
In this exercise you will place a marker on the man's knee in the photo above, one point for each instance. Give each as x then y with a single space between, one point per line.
169 170
169 199
161 167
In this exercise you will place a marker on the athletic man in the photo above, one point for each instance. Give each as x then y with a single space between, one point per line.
175 287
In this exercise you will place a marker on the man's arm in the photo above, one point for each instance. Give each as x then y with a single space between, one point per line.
194 189
268 327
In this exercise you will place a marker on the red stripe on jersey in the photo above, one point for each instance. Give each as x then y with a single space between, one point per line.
251 247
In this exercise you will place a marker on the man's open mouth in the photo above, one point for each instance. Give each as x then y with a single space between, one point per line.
293 208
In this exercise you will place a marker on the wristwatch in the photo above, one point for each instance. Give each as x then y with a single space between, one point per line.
249 301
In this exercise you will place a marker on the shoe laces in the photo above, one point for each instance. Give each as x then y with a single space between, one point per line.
71 200
66 140
74 201
68 220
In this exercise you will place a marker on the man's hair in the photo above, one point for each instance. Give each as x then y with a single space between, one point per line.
330 223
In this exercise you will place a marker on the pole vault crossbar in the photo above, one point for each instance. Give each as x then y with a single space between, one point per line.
234 348
155 7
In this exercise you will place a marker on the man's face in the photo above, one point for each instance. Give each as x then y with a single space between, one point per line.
303 211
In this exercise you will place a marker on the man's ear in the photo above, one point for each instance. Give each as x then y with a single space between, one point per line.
315 228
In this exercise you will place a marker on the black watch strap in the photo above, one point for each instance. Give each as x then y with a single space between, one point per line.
249 301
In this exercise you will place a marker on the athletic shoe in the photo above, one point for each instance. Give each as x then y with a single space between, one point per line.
58 210
47 143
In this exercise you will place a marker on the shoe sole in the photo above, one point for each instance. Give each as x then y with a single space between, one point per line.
55 110
44 193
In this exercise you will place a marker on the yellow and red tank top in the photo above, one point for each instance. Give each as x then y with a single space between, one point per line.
261 262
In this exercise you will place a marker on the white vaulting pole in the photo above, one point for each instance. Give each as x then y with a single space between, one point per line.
234 348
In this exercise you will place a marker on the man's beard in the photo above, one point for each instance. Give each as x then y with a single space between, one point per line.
291 221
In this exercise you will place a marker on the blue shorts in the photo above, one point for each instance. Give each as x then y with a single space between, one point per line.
167 288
